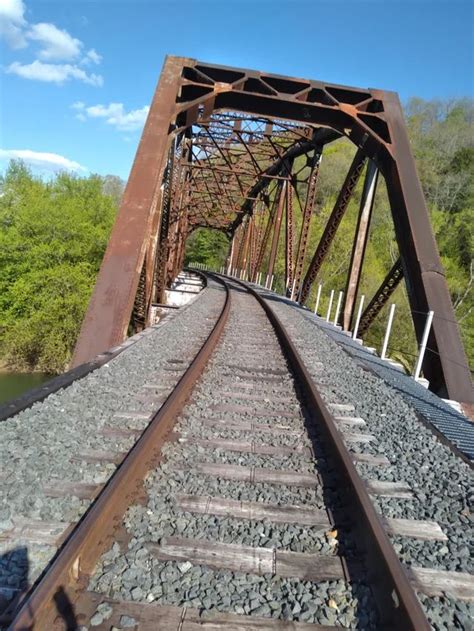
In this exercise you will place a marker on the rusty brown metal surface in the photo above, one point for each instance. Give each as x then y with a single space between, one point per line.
360 243
109 312
332 225
280 200
381 296
237 134
305 224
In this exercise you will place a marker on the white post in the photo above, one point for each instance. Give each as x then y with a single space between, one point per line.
331 298
292 297
318 298
359 314
271 282
338 308
259 278
387 331
424 341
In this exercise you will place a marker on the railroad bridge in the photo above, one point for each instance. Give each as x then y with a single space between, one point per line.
241 461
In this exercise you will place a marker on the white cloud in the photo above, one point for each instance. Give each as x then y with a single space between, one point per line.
92 56
114 114
53 73
56 45
12 23
42 160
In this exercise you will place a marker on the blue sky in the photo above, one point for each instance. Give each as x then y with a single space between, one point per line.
76 77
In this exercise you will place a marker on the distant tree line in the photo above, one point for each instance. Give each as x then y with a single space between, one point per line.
53 235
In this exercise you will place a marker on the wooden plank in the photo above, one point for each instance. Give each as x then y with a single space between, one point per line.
134 415
63 488
388 489
271 372
245 409
256 475
247 447
356 437
251 426
370 459
308 566
353 421
36 531
286 514
92 456
416 528
265 397
276 384
341 407
216 621
433 582
120 432
247 559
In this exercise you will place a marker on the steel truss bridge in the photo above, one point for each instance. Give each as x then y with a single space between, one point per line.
219 150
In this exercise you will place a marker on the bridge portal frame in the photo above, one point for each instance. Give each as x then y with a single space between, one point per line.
190 91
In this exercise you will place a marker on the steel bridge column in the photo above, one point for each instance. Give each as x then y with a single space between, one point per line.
276 230
108 315
445 364
289 231
304 232
360 243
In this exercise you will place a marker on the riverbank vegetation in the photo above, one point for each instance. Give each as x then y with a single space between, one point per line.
53 235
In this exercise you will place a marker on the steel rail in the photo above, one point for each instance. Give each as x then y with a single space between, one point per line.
90 537
399 607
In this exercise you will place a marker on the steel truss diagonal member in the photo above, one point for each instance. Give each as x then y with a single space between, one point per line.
381 296
332 225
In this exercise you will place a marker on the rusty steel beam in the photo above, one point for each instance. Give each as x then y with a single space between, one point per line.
289 239
280 195
108 315
360 243
381 296
446 367
305 224
262 246
332 225
245 126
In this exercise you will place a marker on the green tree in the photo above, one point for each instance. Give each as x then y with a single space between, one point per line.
52 239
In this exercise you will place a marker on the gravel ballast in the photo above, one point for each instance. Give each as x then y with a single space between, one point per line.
41 446
440 481
136 574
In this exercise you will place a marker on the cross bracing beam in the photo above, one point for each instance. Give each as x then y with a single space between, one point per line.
244 127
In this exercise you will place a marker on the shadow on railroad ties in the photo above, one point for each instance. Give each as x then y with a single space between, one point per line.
14 570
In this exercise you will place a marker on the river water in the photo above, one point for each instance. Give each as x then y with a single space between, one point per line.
13 384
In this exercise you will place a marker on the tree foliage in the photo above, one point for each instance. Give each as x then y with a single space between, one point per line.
52 239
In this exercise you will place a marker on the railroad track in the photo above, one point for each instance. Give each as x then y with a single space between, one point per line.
238 508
